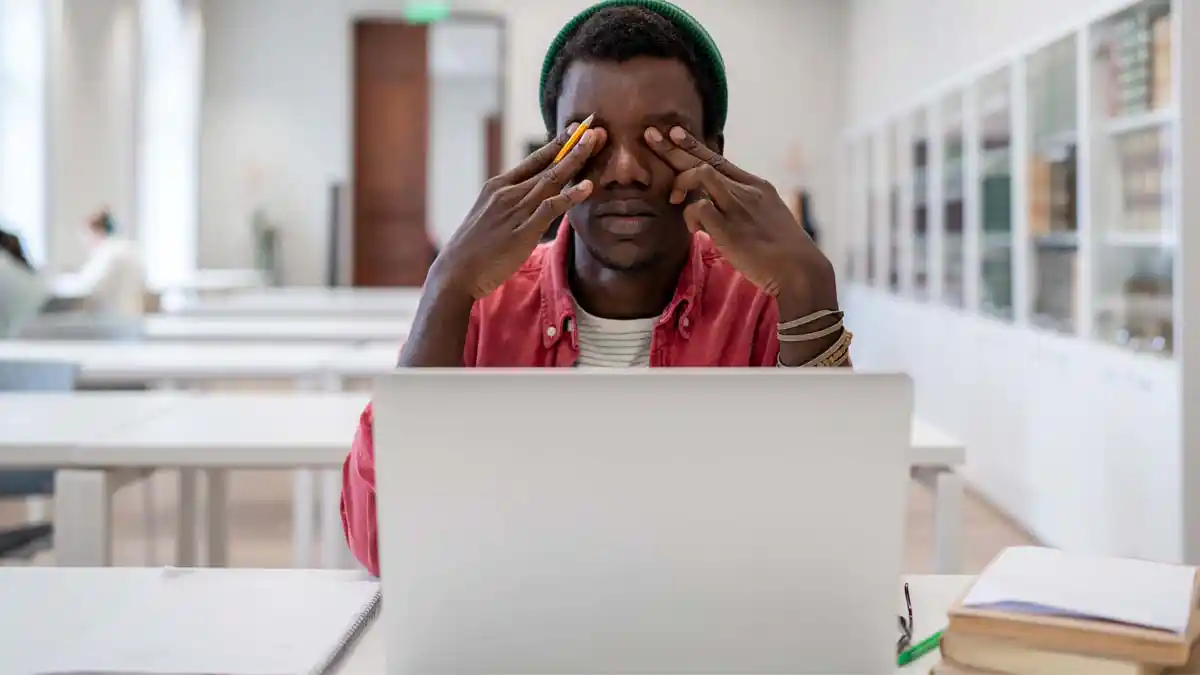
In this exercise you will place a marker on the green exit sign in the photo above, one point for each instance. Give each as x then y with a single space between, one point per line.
426 12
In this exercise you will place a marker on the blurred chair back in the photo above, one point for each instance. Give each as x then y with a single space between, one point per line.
41 376
82 326
24 541
22 295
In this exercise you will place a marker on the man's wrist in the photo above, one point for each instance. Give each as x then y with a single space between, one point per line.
802 297
444 284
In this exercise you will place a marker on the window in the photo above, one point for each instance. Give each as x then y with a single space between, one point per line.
169 135
23 123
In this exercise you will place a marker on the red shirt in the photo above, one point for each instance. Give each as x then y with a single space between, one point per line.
717 318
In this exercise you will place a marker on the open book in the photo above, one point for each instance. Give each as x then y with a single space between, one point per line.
224 622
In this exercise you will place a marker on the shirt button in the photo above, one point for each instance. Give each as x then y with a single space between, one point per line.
550 332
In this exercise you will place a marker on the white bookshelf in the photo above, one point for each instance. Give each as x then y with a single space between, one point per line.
1050 330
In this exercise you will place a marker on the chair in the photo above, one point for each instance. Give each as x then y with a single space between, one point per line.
27 540
81 326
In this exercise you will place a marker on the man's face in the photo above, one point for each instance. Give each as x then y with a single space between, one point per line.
628 223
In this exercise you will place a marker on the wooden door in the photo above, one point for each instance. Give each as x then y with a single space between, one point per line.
493 145
391 143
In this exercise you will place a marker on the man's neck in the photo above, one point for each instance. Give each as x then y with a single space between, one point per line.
620 294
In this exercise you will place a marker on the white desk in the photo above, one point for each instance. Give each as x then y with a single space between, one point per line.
177 362
42 608
932 597
114 433
277 330
215 281
376 305
935 456
46 609
222 431
174 364
295 293
43 430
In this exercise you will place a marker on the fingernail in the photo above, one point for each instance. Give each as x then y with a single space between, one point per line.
572 127
582 186
654 135
677 196
587 137
678 134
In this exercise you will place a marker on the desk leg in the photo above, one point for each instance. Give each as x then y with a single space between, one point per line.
947 523
302 517
217 531
333 541
83 518
149 504
185 533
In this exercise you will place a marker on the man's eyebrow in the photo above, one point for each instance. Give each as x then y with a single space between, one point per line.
669 118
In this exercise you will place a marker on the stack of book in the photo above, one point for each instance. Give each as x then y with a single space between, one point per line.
1160 59
1130 54
1038 611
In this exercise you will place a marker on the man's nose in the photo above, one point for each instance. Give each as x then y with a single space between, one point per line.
625 165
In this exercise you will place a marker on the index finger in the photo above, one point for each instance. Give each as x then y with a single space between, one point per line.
556 177
539 160
688 143
679 159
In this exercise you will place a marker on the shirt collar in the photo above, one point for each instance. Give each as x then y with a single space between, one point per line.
558 305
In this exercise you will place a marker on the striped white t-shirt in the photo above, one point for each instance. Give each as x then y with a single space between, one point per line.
613 343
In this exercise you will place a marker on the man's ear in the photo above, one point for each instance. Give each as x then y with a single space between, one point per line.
716 144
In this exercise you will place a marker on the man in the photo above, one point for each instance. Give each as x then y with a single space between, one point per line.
669 255
112 281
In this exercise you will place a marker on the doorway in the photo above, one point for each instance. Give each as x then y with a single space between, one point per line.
428 102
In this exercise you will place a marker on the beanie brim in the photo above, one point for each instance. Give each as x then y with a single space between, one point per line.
681 20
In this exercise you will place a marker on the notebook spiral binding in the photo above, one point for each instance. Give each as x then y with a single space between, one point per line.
344 647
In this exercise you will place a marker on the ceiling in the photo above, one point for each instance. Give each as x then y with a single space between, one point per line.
465 50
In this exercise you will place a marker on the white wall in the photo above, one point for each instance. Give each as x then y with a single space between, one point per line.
460 105
278 83
899 49
93 56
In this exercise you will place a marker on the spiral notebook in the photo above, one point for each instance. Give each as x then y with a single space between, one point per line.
227 622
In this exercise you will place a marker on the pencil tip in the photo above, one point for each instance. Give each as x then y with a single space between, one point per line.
589 119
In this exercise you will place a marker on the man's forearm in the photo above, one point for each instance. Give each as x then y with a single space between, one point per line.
439 332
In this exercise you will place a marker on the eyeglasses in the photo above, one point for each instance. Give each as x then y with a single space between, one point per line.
906 625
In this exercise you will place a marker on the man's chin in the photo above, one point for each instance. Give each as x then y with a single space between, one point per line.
624 256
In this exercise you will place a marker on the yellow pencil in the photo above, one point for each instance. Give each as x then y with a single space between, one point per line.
574 139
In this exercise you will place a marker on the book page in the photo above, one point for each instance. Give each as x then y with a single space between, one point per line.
1034 580
223 622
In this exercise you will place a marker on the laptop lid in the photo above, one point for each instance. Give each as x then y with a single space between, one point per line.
641 521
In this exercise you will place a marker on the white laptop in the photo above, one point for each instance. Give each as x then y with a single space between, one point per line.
664 521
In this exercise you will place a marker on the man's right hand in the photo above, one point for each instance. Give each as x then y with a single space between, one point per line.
512 213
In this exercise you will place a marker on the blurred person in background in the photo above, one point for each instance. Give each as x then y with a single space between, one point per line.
112 281
11 243
22 293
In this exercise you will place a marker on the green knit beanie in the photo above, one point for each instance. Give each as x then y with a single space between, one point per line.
685 23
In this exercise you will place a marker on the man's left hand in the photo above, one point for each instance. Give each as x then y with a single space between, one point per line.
748 222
